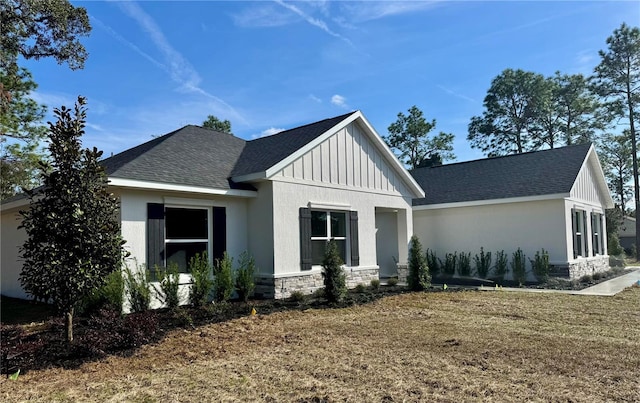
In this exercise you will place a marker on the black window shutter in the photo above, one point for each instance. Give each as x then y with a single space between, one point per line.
353 238
155 235
219 232
305 238
584 234
575 229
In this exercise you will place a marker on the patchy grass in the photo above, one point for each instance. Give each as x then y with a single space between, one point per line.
462 346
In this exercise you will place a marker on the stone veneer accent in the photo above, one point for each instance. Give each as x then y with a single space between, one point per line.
588 266
403 272
282 287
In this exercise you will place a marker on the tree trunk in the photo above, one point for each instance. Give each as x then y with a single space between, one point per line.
69 321
634 155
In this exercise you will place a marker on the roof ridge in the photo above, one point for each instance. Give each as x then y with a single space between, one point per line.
341 117
587 144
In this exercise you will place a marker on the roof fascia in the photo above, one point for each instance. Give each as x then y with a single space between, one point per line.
250 177
144 185
474 203
371 134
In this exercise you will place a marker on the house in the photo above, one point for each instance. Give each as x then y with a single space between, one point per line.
627 233
279 197
553 199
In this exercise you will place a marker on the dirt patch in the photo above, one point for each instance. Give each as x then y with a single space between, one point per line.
408 347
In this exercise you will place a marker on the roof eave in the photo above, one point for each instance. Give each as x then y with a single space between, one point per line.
474 203
171 187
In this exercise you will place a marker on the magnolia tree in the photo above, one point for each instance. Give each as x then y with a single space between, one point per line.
73 233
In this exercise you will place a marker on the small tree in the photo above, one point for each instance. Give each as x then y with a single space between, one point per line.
169 280
483 263
223 278
519 266
419 278
540 265
245 283
335 286
200 270
73 233
136 284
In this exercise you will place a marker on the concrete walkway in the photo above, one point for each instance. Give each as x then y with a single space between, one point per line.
606 288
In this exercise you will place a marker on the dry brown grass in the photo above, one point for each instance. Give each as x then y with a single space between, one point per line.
452 347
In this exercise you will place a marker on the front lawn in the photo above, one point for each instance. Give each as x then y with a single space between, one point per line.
445 346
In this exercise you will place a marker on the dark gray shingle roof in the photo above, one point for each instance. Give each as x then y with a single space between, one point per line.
197 156
262 153
529 174
191 155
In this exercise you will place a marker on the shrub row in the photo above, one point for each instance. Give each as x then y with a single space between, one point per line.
485 265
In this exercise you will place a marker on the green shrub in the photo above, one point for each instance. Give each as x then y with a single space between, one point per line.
419 278
586 278
200 270
482 263
360 288
110 296
464 264
137 288
169 280
297 296
245 283
319 293
500 269
223 278
448 267
540 265
392 282
433 262
613 245
335 286
375 284
519 266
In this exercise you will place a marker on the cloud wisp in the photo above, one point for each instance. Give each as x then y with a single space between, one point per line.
175 64
456 94
268 132
316 22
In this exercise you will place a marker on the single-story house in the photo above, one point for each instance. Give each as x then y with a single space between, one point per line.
279 197
553 199
627 233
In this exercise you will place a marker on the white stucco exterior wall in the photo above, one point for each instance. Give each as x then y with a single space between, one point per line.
134 218
11 239
260 227
530 226
289 197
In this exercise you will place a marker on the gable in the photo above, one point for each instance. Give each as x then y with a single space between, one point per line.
349 158
590 185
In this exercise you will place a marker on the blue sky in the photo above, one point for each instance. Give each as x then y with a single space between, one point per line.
155 66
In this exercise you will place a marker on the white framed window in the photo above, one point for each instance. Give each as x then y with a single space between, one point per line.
597 235
327 225
579 222
186 234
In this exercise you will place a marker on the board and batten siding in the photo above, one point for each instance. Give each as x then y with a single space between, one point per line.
585 187
347 158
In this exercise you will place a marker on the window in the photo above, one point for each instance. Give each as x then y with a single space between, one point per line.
326 225
176 234
596 230
579 221
186 234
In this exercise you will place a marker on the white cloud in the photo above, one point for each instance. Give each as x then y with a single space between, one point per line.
268 132
53 100
339 100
